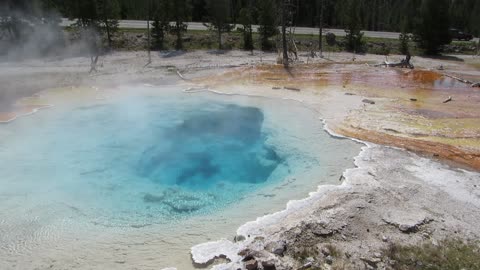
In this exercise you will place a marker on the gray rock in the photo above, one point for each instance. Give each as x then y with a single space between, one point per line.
325 251
371 261
269 265
239 238
368 101
406 221
251 265
329 259
279 248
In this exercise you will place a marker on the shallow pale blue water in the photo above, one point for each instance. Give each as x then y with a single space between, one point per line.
146 173
143 160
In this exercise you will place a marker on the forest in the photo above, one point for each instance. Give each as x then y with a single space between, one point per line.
427 21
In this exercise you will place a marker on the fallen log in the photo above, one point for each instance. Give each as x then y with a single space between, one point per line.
181 76
401 64
292 88
471 83
405 63
448 100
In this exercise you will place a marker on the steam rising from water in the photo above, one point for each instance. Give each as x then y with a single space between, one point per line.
27 30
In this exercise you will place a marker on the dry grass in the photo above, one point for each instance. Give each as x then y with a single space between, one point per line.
448 255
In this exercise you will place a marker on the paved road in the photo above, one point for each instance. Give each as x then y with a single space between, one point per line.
132 24
299 30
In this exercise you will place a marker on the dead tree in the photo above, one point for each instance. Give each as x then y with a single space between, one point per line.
93 63
149 45
320 27
284 33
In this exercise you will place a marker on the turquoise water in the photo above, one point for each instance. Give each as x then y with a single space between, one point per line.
144 160
136 179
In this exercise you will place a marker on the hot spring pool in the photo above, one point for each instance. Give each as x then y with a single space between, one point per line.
136 179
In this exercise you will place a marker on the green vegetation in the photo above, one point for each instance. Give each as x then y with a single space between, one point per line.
432 29
428 20
219 18
448 255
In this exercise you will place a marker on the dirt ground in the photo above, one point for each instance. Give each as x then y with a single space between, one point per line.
392 196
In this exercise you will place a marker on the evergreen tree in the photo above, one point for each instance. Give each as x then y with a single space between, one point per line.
267 13
432 30
160 24
352 24
475 19
246 19
109 13
180 14
219 18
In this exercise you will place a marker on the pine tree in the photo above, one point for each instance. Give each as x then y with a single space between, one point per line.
219 11
109 13
432 30
352 24
267 11
246 19
180 14
475 19
161 24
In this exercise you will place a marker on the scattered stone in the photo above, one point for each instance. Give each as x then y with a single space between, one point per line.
371 261
368 101
385 239
406 221
279 248
308 263
244 252
276 88
239 238
269 265
448 100
413 99
329 259
248 257
377 255
350 94
325 251
251 265
322 232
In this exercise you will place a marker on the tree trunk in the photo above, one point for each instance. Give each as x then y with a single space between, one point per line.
219 32
148 35
109 36
284 33
320 31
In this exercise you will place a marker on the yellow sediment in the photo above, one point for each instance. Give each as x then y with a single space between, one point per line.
409 110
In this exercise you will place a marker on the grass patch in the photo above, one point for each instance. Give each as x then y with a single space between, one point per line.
448 255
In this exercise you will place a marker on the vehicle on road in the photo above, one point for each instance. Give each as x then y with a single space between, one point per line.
459 35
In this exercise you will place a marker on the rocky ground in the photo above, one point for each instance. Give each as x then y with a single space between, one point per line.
392 197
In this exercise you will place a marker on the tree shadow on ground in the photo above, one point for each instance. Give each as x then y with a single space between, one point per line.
444 57
217 52
171 54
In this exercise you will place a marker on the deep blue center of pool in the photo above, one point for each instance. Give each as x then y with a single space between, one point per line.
142 159
209 148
